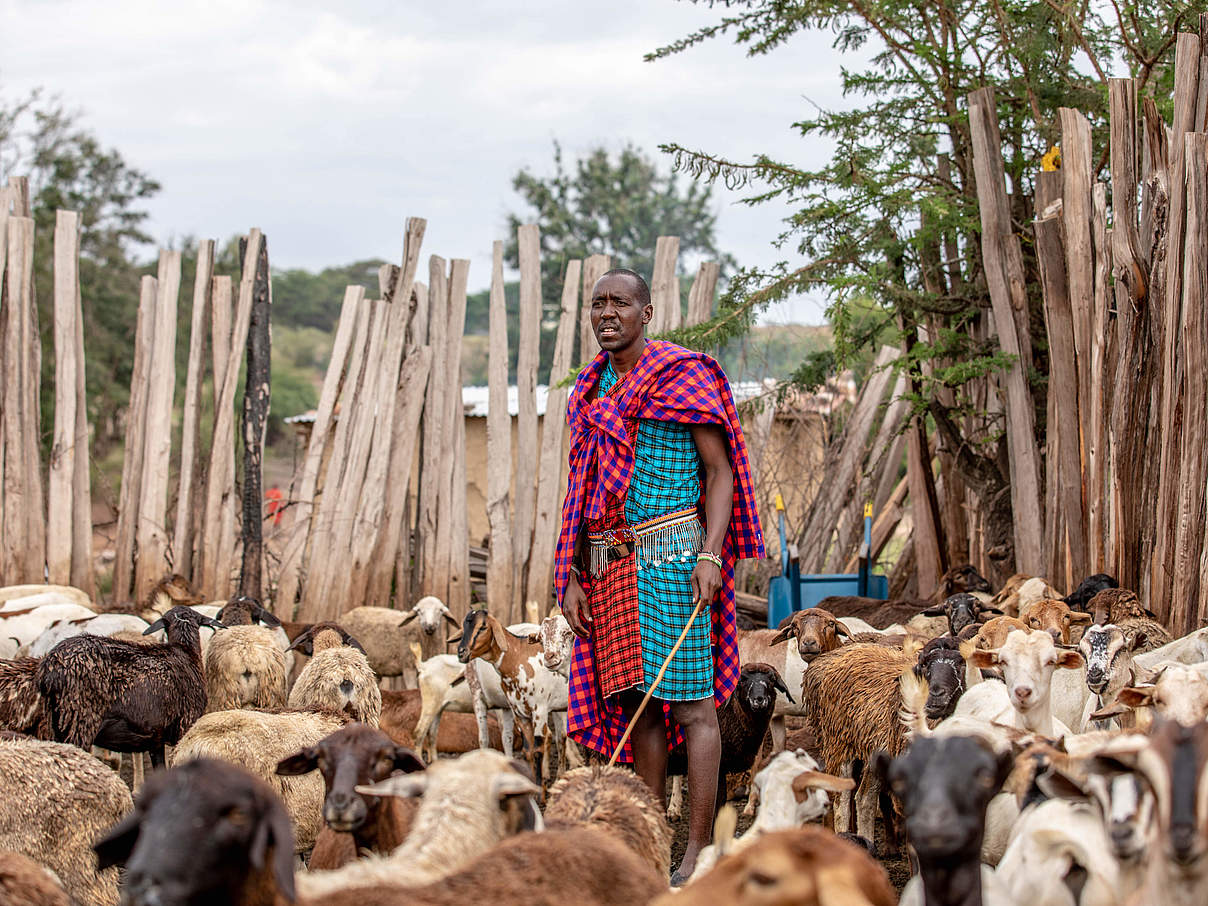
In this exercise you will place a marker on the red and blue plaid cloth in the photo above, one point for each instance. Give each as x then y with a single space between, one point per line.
668 383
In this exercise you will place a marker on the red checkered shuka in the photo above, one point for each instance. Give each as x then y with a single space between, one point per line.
668 383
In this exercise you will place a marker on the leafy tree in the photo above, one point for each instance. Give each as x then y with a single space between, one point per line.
892 219
616 205
69 168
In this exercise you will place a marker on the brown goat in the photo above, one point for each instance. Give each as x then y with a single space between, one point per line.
356 755
23 882
1056 618
991 634
808 866
458 732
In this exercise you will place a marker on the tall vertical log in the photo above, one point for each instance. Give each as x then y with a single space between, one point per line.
700 297
664 286
435 439
1077 216
209 532
455 560
132 461
302 496
182 530
404 570
59 512
594 267
1189 537
1186 85
551 471
8 542
1004 277
257 396
499 447
1063 434
529 242
1102 365
82 573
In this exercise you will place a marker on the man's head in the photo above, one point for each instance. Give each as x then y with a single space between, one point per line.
620 309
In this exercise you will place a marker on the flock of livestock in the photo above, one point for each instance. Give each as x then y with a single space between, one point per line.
1022 747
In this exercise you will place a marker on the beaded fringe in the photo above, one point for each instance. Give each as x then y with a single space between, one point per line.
666 544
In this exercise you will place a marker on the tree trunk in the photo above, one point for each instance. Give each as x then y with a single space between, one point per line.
256 397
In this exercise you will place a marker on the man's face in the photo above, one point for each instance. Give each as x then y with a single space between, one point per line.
617 315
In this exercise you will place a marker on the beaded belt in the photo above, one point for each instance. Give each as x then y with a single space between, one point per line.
664 539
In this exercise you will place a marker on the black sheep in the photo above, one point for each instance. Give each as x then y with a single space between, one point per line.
1081 596
742 721
126 696
941 665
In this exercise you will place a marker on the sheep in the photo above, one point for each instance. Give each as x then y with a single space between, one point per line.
245 666
852 697
355 755
173 590
1189 649
123 696
874 611
536 694
961 610
1123 608
808 866
259 740
245 611
944 785
790 791
617 802
941 665
458 732
742 722
1178 692
387 634
338 678
23 882
1081 596
1056 618
19 628
21 707
468 805
67 593
57 799
105 624
963 579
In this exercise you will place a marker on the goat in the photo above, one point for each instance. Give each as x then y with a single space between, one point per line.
1189 649
1054 617
962 610
458 732
355 755
874 611
1027 661
106 624
944 785
536 694
20 628
1109 668
387 634
1178 692
1081 596
123 696
808 866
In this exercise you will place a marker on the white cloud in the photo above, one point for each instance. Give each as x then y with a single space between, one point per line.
328 124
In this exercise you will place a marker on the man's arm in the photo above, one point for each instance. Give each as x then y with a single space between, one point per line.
713 449
574 602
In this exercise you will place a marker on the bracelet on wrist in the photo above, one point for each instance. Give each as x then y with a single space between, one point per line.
711 557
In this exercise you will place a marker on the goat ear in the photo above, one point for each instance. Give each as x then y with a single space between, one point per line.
452 620
155 627
510 783
411 615
816 780
406 760
987 612
788 632
938 611
1077 616
982 658
402 786
498 633
352 642
1113 710
1070 660
1056 784
118 843
299 763
1140 637
1134 697
455 637
841 630
263 616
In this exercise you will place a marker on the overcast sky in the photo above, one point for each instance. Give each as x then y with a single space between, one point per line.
327 124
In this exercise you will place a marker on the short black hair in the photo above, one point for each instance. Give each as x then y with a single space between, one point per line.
643 286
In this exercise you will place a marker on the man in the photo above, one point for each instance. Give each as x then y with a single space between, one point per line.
658 508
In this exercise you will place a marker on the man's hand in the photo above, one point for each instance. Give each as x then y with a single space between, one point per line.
575 609
706 581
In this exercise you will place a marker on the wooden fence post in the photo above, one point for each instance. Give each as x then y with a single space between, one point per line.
457 561
700 297
1004 277
594 267
435 439
664 286
499 447
60 511
257 396
83 574
552 468
132 461
529 241
186 496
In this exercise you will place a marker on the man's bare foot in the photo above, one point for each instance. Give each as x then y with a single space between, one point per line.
687 865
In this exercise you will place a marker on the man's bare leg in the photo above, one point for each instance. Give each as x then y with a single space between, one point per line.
699 722
649 743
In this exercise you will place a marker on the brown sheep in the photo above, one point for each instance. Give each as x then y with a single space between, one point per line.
21 708
877 613
1056 618
808 866
816 630
458 732
852 697
23 882
1122 607
617 802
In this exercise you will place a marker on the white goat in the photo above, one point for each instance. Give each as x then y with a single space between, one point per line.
1027 660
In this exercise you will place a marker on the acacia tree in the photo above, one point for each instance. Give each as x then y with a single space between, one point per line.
892 216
